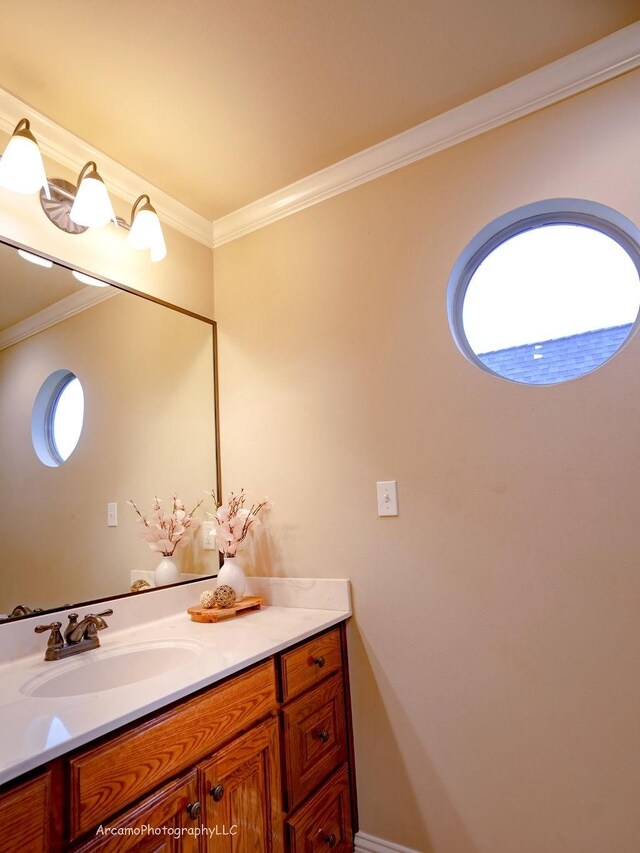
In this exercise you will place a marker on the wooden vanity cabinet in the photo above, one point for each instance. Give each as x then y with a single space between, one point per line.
25 817
317 745
259 763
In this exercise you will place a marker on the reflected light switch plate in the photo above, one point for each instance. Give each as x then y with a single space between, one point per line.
387 497
209 536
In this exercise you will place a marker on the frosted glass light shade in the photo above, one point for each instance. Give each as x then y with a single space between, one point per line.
159 250
88 279
35 259
21 167
146 232
92 206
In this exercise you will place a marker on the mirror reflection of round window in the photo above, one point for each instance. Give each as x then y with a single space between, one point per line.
57 419
550 295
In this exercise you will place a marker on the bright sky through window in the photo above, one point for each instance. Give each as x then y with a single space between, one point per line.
67 418
547 283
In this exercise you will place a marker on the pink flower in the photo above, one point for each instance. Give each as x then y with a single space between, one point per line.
167 530
232 522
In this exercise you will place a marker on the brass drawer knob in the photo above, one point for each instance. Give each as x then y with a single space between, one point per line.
323 736
217 792
194 810
319 662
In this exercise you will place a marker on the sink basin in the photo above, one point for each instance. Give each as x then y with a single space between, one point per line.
104 669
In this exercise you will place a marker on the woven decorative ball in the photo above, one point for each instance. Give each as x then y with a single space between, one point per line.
208 598
224 596
138 586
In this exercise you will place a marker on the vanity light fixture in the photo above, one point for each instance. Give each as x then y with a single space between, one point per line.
21 166
74 209
146 231
35 259
92 206
88 279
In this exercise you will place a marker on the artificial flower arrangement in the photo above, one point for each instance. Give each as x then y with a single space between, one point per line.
163 531
233 521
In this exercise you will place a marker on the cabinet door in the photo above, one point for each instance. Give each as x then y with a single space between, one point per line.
24 817
315 738
323 823
168 821
241 791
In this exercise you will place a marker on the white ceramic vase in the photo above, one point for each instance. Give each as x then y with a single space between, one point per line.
231 574
167 572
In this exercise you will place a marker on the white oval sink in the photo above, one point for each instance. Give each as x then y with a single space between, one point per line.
104 669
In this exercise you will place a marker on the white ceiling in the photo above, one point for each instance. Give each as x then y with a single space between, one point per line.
220 102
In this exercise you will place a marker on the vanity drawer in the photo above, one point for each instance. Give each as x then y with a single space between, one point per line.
25 817
115 774
314 738
324 822
310 663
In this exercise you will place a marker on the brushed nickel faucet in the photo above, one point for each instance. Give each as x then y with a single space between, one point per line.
78 636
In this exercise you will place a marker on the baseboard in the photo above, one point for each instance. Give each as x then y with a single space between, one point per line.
370 844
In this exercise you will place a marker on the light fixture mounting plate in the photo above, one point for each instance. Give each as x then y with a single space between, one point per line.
58 207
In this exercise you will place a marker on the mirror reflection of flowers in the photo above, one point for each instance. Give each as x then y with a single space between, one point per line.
164 531
233 521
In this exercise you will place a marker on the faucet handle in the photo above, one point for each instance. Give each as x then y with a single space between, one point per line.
55 640
96 623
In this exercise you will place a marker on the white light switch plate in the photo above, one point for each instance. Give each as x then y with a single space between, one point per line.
209 536
112 515
387 497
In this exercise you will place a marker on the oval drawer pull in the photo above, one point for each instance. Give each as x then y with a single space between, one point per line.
319 661
329 840
217 792
323 736
194 810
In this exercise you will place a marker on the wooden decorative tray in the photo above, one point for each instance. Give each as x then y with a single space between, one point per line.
216 614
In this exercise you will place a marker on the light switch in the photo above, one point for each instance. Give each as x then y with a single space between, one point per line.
387 497
209 536
112 515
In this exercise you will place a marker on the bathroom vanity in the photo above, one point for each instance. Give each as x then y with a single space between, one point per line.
237 757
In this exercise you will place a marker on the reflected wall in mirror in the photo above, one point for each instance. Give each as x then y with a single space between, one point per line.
147 373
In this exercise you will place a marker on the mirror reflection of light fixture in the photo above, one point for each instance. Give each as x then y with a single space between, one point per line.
35 259
21 166
88 279
92 206
146 231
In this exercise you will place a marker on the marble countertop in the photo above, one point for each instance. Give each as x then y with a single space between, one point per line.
34 730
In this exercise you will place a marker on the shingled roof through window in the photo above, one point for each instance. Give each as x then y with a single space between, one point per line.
547 362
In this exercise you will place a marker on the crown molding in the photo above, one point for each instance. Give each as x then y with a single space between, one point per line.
601 61
56 313
70 151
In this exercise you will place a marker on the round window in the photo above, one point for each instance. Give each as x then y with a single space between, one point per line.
58 415
548 292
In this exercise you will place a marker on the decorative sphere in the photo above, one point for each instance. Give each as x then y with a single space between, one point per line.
224 596
138 586
208 598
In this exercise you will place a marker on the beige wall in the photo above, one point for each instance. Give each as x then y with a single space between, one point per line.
147 376
496 641
182 278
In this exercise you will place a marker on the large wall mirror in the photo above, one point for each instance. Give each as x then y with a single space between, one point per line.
145 397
